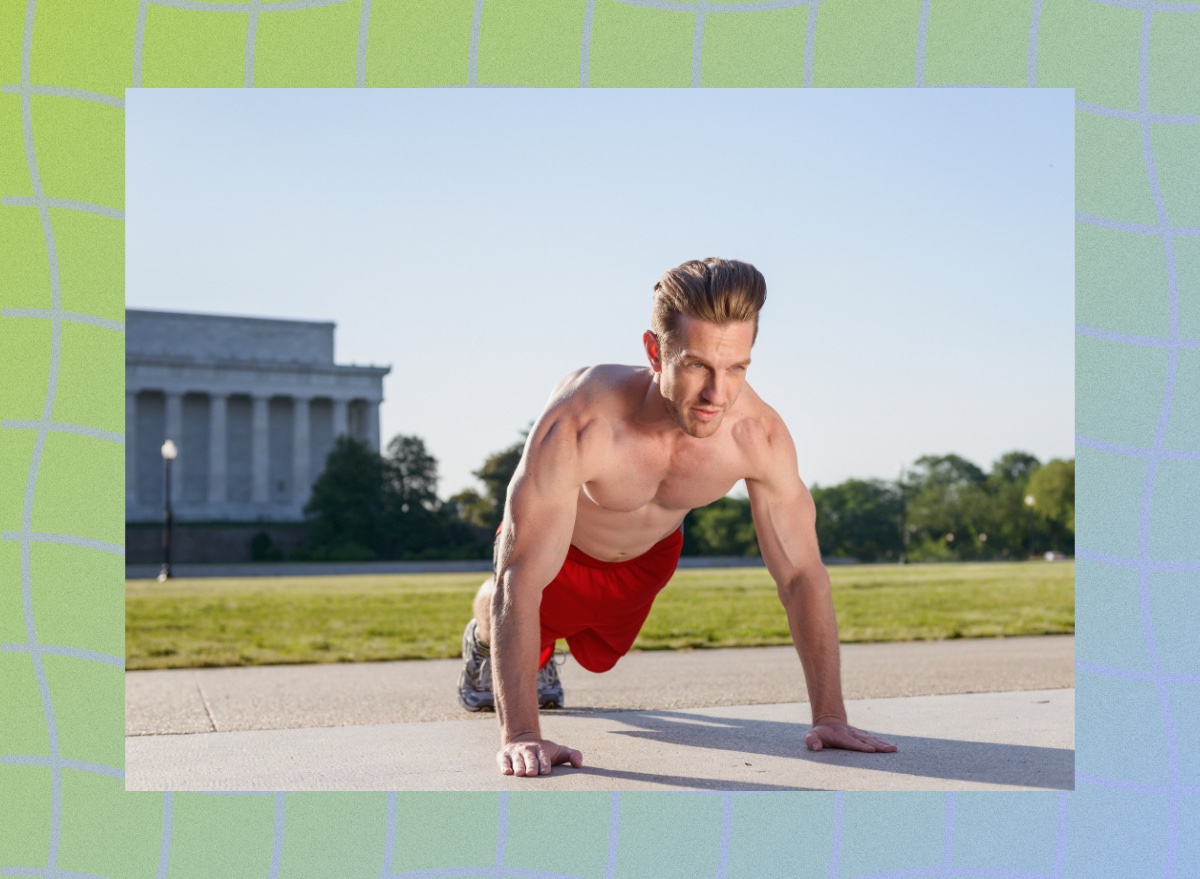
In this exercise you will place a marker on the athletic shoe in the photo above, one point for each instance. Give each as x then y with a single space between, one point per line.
550 691
475 682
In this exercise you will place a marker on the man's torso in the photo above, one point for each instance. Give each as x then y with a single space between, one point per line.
643 481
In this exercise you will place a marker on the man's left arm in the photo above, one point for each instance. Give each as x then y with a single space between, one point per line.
785 520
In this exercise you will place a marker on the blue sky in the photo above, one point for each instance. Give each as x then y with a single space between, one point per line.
917 246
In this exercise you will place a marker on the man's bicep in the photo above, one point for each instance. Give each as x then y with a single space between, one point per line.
539 516
785 521
784 514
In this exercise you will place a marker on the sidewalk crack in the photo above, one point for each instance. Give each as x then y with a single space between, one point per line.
204 702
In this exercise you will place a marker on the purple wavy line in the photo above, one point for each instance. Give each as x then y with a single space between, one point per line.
1127 674
1136 451
1130 339
1136 787
1087 555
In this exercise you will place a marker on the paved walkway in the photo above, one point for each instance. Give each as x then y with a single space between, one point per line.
967 715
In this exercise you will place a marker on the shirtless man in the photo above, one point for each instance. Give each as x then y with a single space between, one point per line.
591 527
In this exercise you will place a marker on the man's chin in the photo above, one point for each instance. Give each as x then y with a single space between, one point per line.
701 429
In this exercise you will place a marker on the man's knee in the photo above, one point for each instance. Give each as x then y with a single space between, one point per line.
483 610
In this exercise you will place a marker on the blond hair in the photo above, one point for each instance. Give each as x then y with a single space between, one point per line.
717 290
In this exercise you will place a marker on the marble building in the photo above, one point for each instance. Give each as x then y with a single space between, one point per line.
253 406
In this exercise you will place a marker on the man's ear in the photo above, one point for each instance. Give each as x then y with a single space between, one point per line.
650 342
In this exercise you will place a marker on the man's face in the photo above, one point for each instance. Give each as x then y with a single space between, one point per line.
701 375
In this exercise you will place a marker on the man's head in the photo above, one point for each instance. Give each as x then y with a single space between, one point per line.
719 291
705 321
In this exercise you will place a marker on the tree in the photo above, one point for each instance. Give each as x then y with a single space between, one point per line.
1014 467
411 474
860 519
724 527
413 526
347 508
1052 486
495 474
1011 532
948 508
471 507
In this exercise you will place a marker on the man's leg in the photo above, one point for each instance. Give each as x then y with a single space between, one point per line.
475 683
483 611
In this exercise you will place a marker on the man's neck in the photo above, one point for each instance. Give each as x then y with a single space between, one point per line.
653 417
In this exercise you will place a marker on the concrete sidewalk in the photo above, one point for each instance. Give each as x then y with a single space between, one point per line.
995 714
985 741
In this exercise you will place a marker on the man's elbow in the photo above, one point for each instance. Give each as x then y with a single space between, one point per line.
513 591
812 582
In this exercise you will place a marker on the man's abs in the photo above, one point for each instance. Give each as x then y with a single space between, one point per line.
615 536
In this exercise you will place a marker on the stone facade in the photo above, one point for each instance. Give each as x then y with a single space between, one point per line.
253 406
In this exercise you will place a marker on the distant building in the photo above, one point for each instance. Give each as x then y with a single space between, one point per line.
253 406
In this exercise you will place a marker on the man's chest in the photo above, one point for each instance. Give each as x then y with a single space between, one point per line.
636 475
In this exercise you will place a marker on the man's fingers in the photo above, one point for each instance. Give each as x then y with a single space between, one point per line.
563 754
864 741
875 742
851 743
525 761
880 744
846 737
569 755
535 758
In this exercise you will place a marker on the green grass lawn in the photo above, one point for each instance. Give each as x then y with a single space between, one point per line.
268 620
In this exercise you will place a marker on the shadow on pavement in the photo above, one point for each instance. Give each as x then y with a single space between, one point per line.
686 782
950 759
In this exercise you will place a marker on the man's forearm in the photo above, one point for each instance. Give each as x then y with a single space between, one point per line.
811 620
515 641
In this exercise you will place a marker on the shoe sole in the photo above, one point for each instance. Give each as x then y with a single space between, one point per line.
489 705
483 706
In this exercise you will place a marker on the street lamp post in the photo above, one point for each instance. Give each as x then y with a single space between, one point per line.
169 451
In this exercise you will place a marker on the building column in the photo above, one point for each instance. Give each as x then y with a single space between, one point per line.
260 473
174 432
218 476
301 465
372 413
341 420
131 452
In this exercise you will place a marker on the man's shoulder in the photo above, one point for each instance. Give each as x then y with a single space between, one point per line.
757 419
602 376
587 402
597 390
761 435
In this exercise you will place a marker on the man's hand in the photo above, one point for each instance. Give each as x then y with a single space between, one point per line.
835 733
535 757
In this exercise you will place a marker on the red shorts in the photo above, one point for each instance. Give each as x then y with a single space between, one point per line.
599 607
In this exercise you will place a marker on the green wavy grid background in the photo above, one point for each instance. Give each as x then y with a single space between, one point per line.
64 66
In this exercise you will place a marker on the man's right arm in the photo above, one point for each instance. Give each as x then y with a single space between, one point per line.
539 520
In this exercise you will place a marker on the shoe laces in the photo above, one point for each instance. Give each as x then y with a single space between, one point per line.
549 671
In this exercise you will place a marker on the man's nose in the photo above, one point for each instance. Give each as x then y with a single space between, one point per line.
715 392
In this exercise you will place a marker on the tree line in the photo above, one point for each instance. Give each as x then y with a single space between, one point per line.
368 506
943 508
